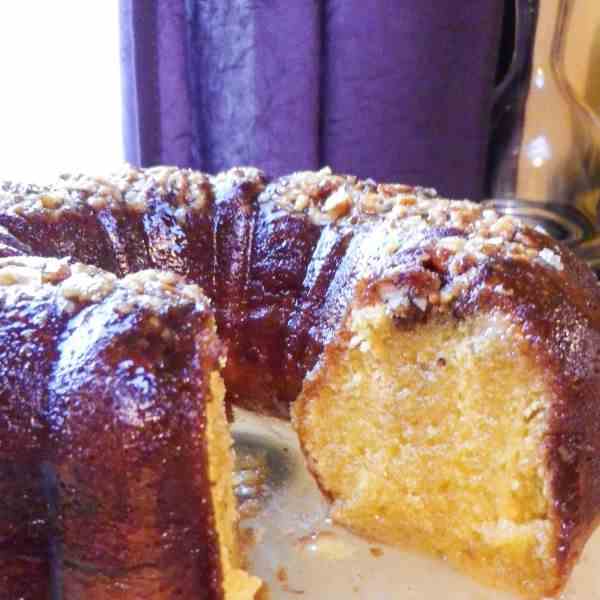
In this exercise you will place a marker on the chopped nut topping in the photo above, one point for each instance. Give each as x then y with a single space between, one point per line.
78 285
395 298
476 236
551 258
455 238
302 202
130 189
338 204
505 226
420 303
369 203
453 243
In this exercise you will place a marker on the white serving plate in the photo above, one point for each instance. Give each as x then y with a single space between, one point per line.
299 553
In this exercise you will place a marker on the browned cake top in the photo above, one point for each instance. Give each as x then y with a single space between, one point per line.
437 248
128 189
77 284
322 195
425 251
327 198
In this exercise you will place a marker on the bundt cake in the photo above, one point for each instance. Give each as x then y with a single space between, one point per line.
442 364
115 462
458 409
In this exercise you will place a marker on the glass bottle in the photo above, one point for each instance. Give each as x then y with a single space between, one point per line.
545 153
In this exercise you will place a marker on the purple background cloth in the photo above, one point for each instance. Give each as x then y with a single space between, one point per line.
396 90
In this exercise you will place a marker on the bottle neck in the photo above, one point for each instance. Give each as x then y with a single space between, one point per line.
550 36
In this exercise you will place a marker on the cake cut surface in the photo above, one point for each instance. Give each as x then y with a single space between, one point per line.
457 409
237 583
433 438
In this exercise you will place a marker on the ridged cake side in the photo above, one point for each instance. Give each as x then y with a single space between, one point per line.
289 262
481 318
105 385
266 253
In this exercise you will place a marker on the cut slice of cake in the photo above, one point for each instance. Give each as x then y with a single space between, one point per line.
454 413
115 454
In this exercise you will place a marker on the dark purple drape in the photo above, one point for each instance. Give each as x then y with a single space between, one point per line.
392 89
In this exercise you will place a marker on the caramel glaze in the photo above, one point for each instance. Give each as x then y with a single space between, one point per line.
267 269
101 419
558 314
11 246
284 262
280 259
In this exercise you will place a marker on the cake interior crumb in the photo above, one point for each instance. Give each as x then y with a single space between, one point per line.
433 439
237 583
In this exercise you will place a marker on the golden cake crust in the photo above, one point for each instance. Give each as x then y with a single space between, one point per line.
552 298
